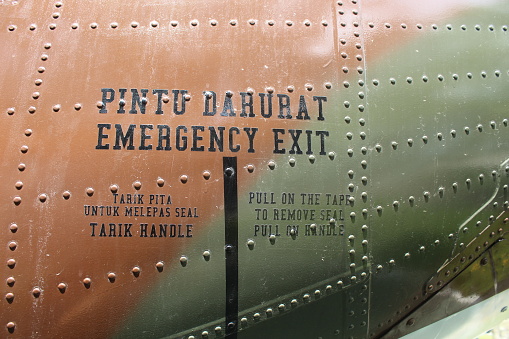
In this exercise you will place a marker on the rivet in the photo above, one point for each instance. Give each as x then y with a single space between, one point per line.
11 27
407 255
134 24
291 161
36 292
328 85
183 178
483 74
90 191
62 287
183 261
269 89
479 127
36 95
233 22
87 282
13 228
21 167
13 245
160 266
394 145
9 297
204 334
309 87
213 22
137 184
16 200
332 155
346 84
361 83
393 81
364 180
409 80
250 168
38 82
206 255
154 23
311 158
18 185
174 23
271 164
289 23
364 164
52 26
344 55
387 25
43 197
256 316
11 326
243 321
268 312
111 277
290 89
361 108
74 26
250 244
136 271
218 330
114 25
422 248
93 25
10 281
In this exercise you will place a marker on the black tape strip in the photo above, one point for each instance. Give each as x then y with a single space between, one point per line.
231 228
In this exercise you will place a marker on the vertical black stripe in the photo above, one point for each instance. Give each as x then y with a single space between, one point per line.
231 228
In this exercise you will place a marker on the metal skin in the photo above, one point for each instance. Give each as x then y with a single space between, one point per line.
257 169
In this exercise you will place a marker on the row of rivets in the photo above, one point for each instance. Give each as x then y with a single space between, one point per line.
253 22
36 95
449 27
13 245
174 23
439 77
440 136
